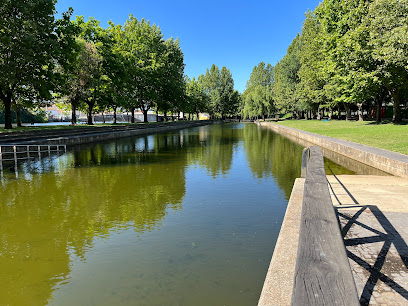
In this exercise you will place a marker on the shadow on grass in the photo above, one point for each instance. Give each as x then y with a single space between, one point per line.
387 122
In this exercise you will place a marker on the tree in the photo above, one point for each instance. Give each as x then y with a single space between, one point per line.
171 84
312 73
218 85
228 99
350 53
31 43
197 100
210 83
286 78
257 97
388 34
142 46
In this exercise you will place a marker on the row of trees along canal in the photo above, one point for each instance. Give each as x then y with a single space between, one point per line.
90 68
350 54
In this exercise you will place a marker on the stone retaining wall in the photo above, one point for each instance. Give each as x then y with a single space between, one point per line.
278 285
387 161
93 137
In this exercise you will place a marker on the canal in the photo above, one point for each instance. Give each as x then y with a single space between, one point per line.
183 218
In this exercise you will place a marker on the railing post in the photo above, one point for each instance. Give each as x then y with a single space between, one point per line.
28 152
305 158
1 162
15 161
39 152
15 155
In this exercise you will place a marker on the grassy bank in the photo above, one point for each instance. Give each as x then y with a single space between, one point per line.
386 136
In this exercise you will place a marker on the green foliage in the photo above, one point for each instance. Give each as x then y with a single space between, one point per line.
311 72
258 96
171 85
197 100
347 54
32 42
286 78
218 85
87 67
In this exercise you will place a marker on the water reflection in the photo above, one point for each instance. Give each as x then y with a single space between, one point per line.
54 212
272 155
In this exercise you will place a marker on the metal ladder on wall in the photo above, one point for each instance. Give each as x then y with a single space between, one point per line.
12 155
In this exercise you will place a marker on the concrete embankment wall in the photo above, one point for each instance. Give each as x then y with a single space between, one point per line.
94 137
387 161
278 285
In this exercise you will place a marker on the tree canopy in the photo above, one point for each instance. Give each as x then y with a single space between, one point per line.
44 60
32 44
350 54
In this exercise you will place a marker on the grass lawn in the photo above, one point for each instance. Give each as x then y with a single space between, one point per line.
386 135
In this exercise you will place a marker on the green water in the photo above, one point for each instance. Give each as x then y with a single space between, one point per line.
184 218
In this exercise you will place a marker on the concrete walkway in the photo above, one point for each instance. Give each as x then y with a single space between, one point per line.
373 213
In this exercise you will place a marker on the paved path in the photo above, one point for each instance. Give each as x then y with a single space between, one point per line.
373 213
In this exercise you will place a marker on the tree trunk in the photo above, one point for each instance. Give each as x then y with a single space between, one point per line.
90 122
132 110
378 102
103 117
18 119
198 116
331 113
7 111
90 108
73 112
157 115
145 116
360 111
114 115
347 107
397 116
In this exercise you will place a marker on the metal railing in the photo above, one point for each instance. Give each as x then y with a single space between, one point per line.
323 275
12 155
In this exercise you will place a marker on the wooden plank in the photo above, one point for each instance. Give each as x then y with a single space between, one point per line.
323 275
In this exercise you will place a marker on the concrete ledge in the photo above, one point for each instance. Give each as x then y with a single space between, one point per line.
390 162
278 285
93 137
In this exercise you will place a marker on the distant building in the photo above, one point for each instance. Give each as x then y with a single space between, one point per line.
56 114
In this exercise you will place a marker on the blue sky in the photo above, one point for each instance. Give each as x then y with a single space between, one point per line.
235 34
